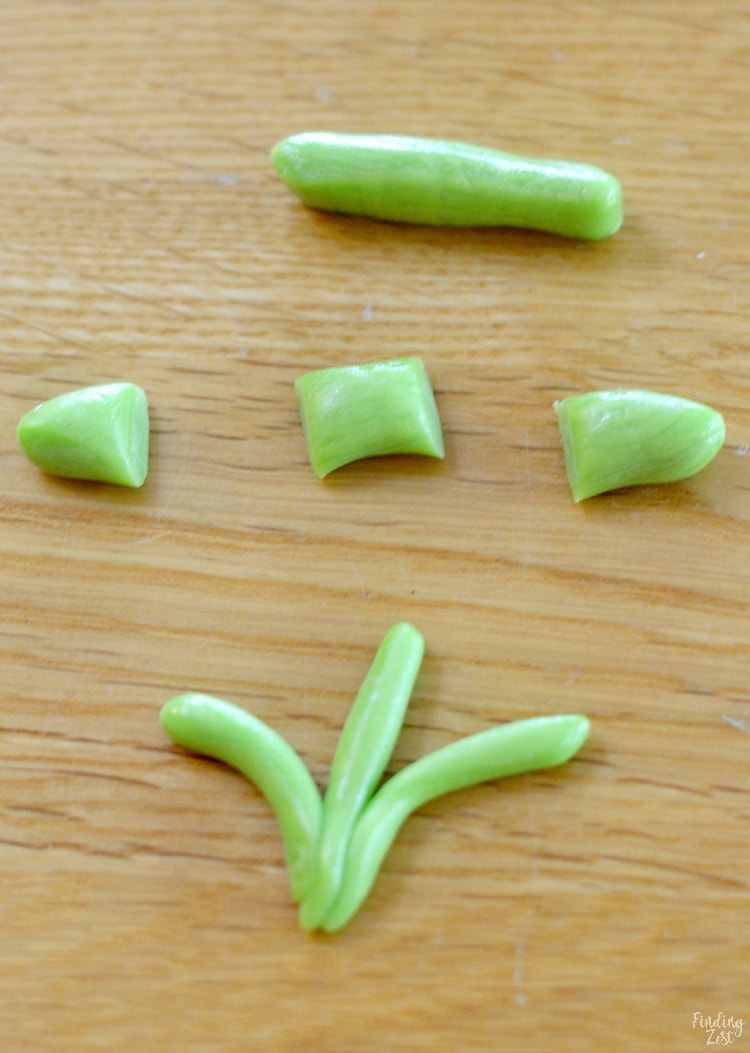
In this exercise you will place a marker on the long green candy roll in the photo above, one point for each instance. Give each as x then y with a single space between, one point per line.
350 412
227 733
439 183
521 746
622 438
99 433
364 748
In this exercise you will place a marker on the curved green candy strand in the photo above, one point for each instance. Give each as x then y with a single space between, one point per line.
521 746
622 438
221 730
440 183
362 753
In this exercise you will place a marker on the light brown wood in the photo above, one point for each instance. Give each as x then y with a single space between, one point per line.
144 902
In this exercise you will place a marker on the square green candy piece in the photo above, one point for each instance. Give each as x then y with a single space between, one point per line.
99 433
369 410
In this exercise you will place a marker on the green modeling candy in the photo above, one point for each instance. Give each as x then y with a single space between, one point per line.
220 730
363 751
99 433
334 847
351 412
524 745
613 439
430 181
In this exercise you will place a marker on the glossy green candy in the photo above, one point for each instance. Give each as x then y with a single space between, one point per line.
99 433
334 847
521 746
351 412
431 181
363 751
618 438
227 733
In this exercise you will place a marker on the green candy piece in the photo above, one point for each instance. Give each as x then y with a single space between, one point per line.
99 433
613 439
351 412
227 733
521 746
363 751
439 183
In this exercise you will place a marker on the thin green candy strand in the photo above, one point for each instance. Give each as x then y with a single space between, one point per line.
227 733
362 753
521 746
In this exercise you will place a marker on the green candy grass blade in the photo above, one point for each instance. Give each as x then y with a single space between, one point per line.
613 439
379 408
511 749
218 729
98 433
363 751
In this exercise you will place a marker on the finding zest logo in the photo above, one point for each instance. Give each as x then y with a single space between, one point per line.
720 1030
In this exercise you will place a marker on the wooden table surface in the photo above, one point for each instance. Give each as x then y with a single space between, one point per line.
145 237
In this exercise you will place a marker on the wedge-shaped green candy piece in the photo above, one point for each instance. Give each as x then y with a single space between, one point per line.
99 433
618 438
379 408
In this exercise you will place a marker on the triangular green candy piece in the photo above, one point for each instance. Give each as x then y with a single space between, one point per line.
98 433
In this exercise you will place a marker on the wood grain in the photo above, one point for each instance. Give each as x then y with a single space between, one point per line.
145 237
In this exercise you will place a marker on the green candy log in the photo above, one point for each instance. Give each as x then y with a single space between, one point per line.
443 183
99 433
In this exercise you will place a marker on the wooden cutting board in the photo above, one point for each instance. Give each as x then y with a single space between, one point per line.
145 237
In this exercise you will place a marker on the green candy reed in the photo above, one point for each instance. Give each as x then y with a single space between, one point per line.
379 408
334 847
521 746
99 433
441 183
363 751
227 733
613 439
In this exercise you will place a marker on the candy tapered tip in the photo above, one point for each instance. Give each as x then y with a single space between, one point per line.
577 728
